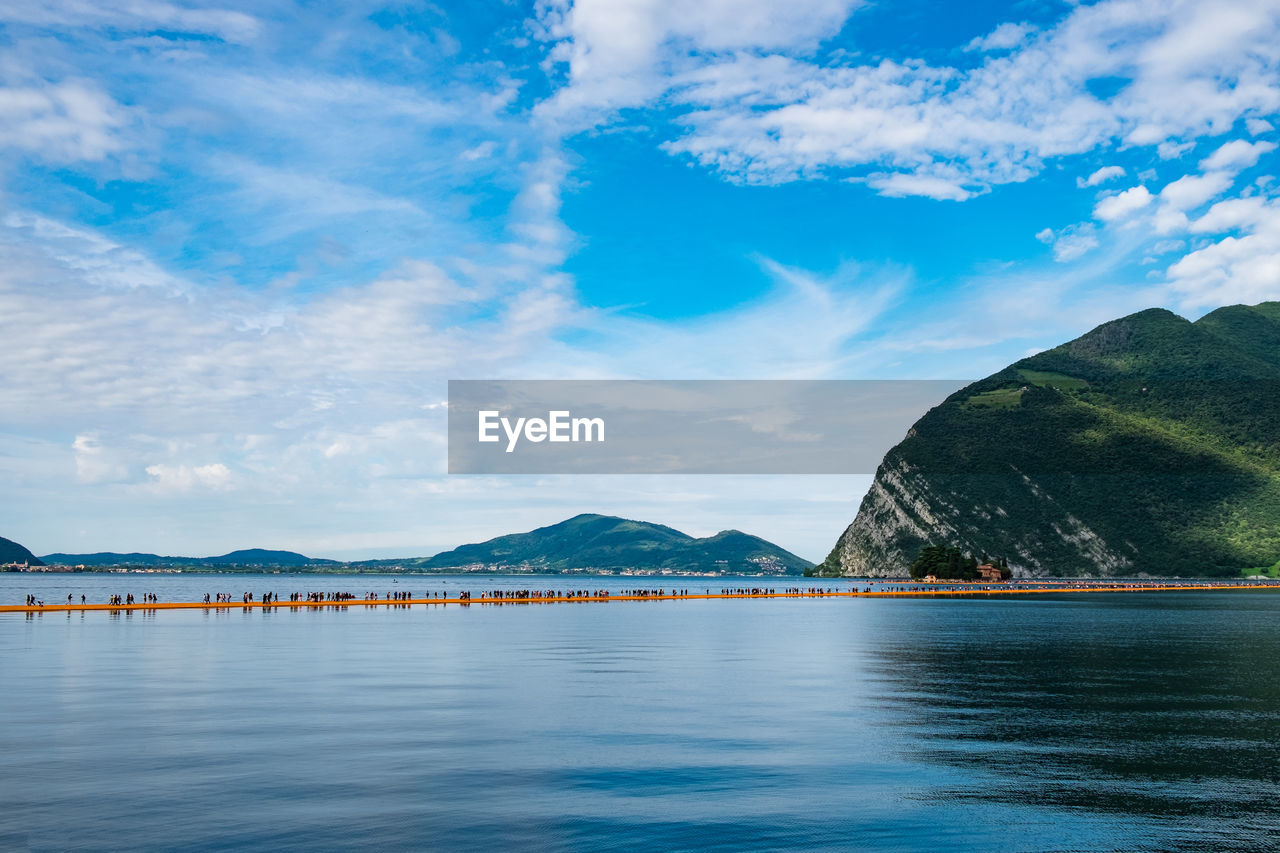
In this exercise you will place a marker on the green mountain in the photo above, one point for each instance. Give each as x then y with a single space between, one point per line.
1151 445
263 557
12 552
246 557
606 542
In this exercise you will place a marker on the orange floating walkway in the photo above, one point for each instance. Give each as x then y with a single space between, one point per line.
601 599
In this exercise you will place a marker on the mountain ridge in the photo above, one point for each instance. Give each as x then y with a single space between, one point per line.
581 543
592 541
242 557
1148 445
12 552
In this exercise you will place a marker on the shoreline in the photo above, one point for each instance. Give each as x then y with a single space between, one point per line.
912 591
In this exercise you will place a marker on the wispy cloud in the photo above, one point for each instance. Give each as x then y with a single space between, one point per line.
242 250
1101 176
228 24
757 112
1070 242
1004 37
63 122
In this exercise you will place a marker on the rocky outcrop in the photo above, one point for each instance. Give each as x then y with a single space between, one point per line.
904 511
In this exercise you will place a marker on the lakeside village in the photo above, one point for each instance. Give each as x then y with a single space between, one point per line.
355 569
936 564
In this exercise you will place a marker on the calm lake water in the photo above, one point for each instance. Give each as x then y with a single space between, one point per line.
1060 722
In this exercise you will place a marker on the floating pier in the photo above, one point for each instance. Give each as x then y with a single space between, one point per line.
914 591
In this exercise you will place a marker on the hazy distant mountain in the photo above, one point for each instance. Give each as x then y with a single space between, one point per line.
12 552
580 543
606 542
261 557
247 557
1149 445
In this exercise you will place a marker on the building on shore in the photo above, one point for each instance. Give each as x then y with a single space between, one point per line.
989 573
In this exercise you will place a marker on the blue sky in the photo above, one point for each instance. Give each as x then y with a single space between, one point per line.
244 246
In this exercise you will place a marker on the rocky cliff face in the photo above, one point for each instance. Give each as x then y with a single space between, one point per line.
1149 446
904 512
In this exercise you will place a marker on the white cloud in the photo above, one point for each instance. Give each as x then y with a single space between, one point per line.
762 113
184 478
1258 126
1003 37
482 151
1192 191
93 463
286 396
897 185
1185 194
1071 242
1236 154
762 338
319 391
87 256
1101 176
1168 220
1122 204
1231 214
128 15
1233 269
619 53
1172 150
61 122
1004 310
193 394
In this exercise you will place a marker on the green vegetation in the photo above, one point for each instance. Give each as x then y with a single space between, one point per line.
582 543
948 563
605 542
12 552
998 398
1049 379
250 558
1272 571
1149 445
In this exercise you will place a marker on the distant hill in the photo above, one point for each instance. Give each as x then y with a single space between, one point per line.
12 552
581 543
592 541
108 558
261 557
247 557
1150 445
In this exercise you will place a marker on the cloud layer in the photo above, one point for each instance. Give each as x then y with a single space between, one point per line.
243 247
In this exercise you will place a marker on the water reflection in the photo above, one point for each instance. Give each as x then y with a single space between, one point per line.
1167 709
1064 723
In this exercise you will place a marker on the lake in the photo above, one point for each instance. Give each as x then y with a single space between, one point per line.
1146 721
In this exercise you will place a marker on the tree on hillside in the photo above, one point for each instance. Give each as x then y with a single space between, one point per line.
942 561
950 563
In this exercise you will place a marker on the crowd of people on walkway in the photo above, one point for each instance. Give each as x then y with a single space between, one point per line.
270 598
